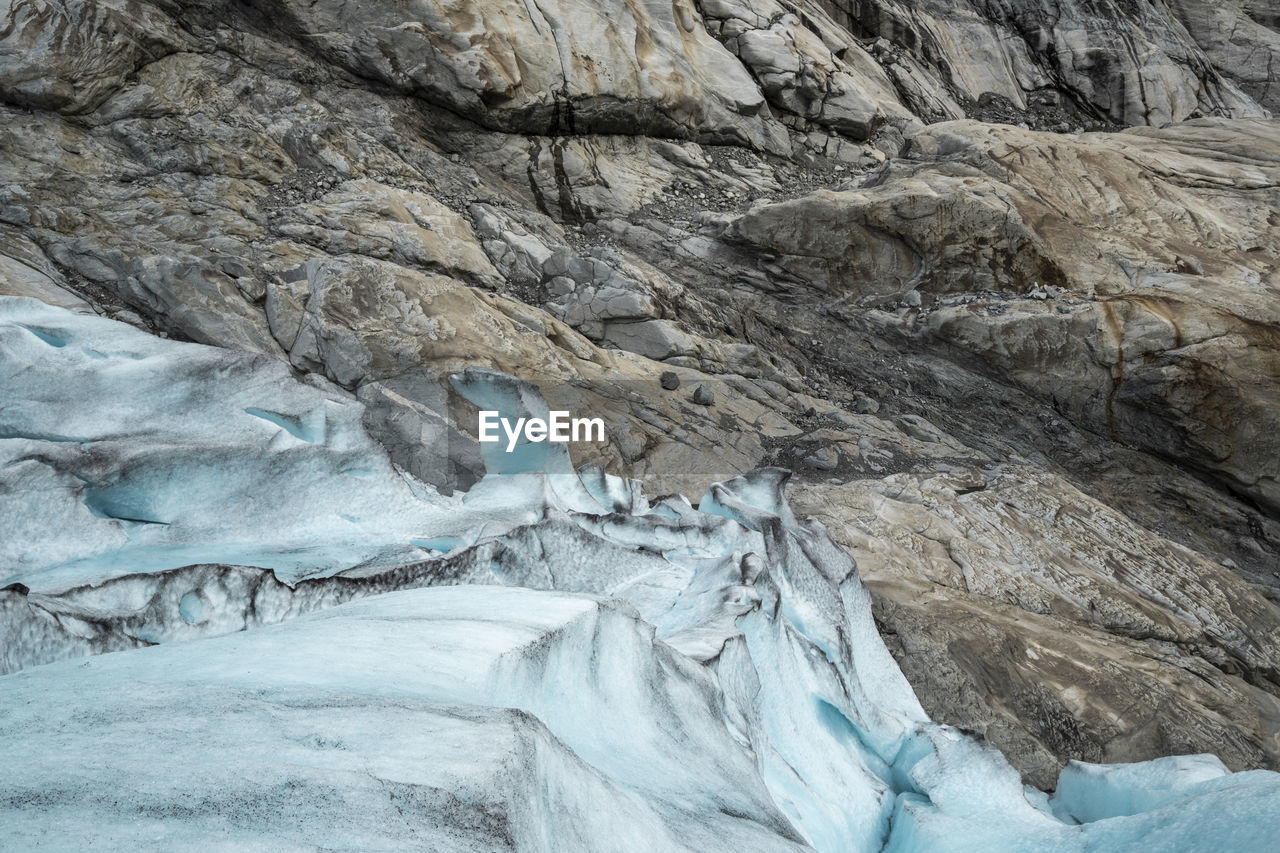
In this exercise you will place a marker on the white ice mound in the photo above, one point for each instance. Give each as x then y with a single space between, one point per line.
121 452
461 718
698 678
1089 792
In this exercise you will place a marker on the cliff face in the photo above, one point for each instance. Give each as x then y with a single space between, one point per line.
1124 62
998 281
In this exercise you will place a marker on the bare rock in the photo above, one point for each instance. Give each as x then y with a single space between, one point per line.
1022 609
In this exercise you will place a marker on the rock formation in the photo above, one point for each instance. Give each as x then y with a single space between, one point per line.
997 282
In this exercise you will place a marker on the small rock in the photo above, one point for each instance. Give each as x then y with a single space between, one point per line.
235 268
824 459
865 405
670 381
703 397
560 285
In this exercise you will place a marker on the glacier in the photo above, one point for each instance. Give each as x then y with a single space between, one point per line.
310 648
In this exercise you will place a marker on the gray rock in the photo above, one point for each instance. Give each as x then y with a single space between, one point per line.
1080 634
655 339
865 405
514 71
1151 346
1134 64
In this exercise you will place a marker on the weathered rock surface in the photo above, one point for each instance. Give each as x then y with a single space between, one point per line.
1168 647
743 193
551 67
1241 40
1139 273
1129 63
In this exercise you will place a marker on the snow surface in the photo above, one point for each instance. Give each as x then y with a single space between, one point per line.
121 452
585 669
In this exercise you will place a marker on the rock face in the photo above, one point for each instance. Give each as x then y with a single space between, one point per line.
549 67
1241 41
1028 375
1081 602
1140 292
1132 63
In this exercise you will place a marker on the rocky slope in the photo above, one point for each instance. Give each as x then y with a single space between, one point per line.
1025 373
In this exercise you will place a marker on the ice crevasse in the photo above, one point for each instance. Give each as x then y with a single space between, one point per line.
550 661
